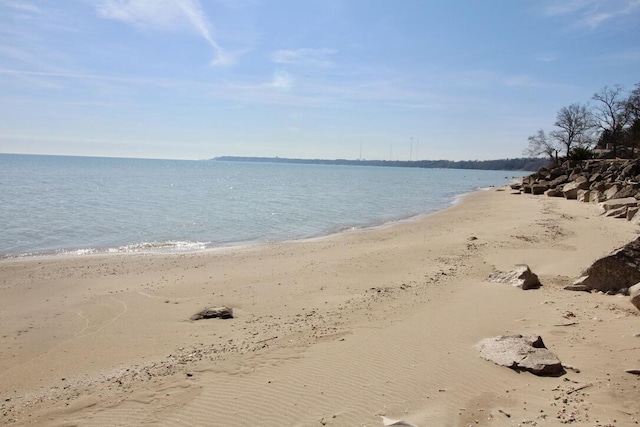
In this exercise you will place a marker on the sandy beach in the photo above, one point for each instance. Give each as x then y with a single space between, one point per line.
335 331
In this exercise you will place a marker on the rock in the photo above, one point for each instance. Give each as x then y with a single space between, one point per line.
560 180
631 212
388 422
611 192
539 188
618 203
553 192
627 190
596 177
578 285
619 269
570 190
620 212
521 353
521 277
635 219
214 312
634 295
583 196
596 196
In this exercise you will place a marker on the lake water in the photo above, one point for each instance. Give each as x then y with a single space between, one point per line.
79 205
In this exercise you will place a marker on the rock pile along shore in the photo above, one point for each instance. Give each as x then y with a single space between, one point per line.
613 184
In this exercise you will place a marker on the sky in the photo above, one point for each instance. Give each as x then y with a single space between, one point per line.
373 79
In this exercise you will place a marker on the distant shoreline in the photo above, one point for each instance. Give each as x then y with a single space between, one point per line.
516 164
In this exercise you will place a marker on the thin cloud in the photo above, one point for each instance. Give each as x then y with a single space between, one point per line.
593 13
564 7
166 15
282 80
305 56
546 57
22 6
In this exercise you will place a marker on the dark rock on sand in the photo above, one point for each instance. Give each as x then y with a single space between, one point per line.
617 270
214 312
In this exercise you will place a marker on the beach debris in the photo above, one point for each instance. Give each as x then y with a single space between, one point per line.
634 295
521 277
389 422
506 414
632 371
214 312
615 271
571 368
573 390
521 353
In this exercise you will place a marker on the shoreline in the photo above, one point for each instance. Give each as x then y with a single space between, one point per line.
339 329
129 249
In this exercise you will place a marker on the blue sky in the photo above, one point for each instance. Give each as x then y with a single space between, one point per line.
190 79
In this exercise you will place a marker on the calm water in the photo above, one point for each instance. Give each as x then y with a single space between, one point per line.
67 205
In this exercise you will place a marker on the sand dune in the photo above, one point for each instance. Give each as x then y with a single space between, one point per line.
334 331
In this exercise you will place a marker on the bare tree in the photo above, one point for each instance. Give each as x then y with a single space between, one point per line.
633 109
575 128
541 144
632 104
612 114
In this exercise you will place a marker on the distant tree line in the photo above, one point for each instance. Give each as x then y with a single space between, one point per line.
519 164
610 127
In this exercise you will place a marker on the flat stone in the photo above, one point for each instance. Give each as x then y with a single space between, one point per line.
578 286
521 353
617 203
620 212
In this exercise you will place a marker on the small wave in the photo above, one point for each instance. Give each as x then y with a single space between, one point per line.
165 246
169 246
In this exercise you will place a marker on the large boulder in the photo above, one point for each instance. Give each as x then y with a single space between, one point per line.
521 353
610 193
618 270
521 277
562 179
634 294
539 188
570 190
